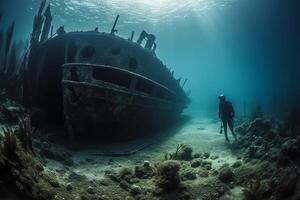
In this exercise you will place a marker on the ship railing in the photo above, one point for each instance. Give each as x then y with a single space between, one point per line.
114 76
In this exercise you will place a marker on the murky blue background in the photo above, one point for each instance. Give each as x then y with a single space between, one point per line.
246 49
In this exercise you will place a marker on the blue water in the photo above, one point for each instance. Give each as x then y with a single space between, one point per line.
247 49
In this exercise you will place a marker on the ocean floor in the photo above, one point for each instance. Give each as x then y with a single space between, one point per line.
200 133
191 161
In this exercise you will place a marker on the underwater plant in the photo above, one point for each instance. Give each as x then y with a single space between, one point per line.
21 171
183 152
11 63
226 175
126 173
9 145
25 133
167 176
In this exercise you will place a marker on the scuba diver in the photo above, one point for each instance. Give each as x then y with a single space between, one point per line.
226 114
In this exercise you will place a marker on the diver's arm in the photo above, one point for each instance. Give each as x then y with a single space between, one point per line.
232 110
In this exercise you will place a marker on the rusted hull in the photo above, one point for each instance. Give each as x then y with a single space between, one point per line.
97 113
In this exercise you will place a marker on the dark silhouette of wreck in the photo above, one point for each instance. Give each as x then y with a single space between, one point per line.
101 86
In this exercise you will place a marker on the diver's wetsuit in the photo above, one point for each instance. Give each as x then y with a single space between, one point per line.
226 114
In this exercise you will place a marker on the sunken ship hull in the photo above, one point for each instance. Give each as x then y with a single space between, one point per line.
102 87
103 109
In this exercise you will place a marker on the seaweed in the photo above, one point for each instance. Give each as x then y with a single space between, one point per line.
47 24
126 174
25 133
167 176
1 45
37 25
11 65
183 152
8 38
9 142
10 79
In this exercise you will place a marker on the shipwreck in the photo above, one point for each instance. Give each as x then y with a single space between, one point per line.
100 86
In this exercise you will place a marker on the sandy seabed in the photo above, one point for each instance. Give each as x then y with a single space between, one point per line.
201 134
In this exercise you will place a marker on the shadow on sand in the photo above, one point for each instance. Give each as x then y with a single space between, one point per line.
137 144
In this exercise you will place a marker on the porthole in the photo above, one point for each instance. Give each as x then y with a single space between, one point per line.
88 52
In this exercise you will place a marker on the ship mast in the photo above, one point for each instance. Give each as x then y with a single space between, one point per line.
113 30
